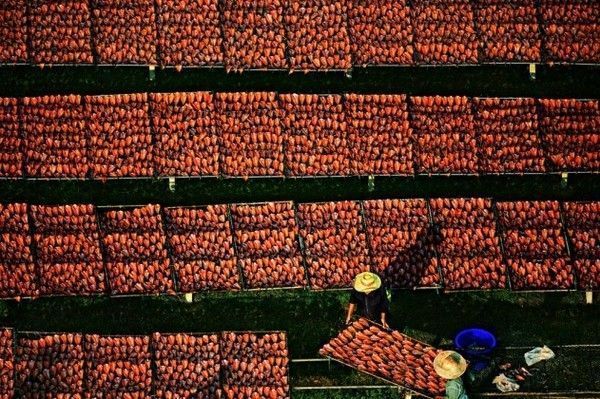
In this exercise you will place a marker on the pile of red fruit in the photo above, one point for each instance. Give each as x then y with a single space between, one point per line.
60 32
380 32
118 366
50 366
13 31
186 140
253 363
444 32
532 229
55 136
202 250
7 364
252 140
11 143
588 273
189 32
541 274
135 254
583 224
187 366
379 134
508 135
467 243
401 242
124 31
571 30
535 245
508 30
267 245
259 392
68 250
335 241
254 34
540 235
389 355
444 130
120 136
17 270
456 237
316 135
571 132
317 34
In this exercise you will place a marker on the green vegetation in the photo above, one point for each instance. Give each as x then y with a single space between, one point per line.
313 317
488 80
384 393
212 190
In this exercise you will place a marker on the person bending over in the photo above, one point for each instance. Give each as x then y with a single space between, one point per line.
369 296
450 365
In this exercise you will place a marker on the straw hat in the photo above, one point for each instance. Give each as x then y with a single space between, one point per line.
366 282
449 365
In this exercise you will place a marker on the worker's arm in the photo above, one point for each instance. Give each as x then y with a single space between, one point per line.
354 300
383 321
385 308
351 309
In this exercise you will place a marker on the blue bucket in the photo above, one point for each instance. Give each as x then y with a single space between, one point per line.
477 345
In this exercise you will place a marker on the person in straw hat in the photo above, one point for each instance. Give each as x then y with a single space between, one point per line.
368 295
450 365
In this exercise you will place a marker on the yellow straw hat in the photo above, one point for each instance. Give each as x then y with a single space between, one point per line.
366 282
449 365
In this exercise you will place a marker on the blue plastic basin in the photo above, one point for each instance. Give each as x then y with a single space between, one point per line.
475 342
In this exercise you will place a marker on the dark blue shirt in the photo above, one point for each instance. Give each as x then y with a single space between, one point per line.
371 305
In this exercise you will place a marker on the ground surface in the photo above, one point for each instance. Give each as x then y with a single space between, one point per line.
213 190
489 80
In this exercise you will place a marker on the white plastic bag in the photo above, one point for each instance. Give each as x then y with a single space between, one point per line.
538 354
505 384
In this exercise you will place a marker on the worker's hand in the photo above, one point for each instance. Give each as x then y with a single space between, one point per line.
385 324
348 321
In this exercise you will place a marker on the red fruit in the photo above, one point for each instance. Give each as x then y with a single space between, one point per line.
189 33
335 241
444 32
186 140
201 245
11 154
308 47
251 132
444 130
135 254
124 33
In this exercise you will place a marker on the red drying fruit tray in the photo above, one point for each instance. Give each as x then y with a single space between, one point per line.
267 244
186 364
201 246
49 365
389 355
7 363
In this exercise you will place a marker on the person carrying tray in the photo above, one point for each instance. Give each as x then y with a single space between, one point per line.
450 365
369 296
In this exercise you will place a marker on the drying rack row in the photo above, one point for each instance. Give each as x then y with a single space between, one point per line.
159 365
246 36
150 250
266 134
